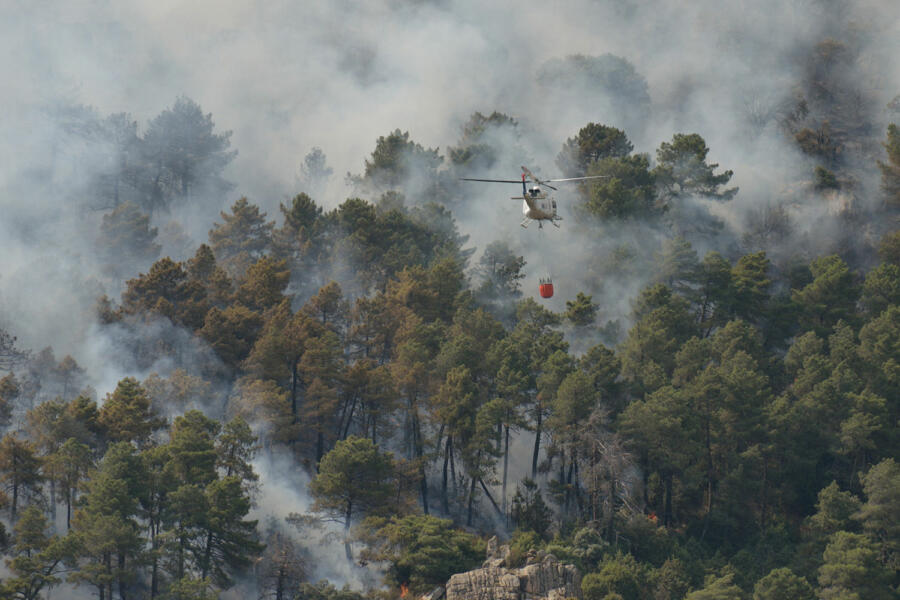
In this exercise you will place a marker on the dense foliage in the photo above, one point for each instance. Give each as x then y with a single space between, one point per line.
735 438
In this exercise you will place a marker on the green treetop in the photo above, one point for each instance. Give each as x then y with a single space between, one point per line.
593 142
683 170
421 551
242 238
852 570
354 478
126 414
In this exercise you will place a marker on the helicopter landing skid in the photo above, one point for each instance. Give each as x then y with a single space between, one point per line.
524 224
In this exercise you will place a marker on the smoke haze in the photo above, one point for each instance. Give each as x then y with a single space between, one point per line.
285 77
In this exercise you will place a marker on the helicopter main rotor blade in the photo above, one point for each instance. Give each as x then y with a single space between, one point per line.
536 180
492 180
544 183
581 178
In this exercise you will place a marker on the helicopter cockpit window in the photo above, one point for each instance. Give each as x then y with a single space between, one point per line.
553 204
534 191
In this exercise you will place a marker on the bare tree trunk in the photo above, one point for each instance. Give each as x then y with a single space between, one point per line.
709 481
611 523
423 483
593 475
108 563
349 420
505 471
15 485
537 443
440 436
320 445
154 571
578 499
121 576
471 502
453 470
53 501
294 385
180 556
347 532
207 555
491 498
444 500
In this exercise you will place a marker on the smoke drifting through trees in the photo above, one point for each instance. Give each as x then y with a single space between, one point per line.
769 87
753 56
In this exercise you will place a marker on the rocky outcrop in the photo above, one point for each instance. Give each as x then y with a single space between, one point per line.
543 577
549 579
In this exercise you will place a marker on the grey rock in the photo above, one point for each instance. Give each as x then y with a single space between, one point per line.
544 578
435 594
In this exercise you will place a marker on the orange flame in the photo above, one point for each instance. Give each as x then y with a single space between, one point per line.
404 590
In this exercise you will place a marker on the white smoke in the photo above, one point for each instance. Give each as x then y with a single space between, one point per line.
287 76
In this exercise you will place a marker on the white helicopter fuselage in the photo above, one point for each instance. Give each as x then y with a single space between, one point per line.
538 206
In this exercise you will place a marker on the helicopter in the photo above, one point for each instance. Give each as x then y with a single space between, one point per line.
536 204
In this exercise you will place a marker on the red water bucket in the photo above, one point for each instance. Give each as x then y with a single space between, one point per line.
546 288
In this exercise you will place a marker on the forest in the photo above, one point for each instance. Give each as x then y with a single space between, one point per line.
345 397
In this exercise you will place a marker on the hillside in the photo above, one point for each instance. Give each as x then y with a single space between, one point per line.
300 358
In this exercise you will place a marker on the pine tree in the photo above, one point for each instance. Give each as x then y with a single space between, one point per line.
126 414
20 470
593 142
243 237
36 558
230 543
354 478
126 239
69 466
851 570
106 527
683 170
184 156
